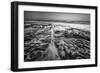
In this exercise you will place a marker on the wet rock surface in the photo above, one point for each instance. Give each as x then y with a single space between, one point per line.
43 42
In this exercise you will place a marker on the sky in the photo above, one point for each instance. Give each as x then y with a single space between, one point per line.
58 16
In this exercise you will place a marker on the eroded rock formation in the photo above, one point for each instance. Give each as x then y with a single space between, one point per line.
47 41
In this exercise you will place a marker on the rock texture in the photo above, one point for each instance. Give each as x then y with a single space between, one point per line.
43 42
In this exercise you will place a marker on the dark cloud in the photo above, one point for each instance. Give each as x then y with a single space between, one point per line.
58 16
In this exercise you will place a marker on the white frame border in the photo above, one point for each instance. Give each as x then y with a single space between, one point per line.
22 64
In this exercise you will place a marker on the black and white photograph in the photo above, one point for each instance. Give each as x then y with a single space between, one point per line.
56 36
52 36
